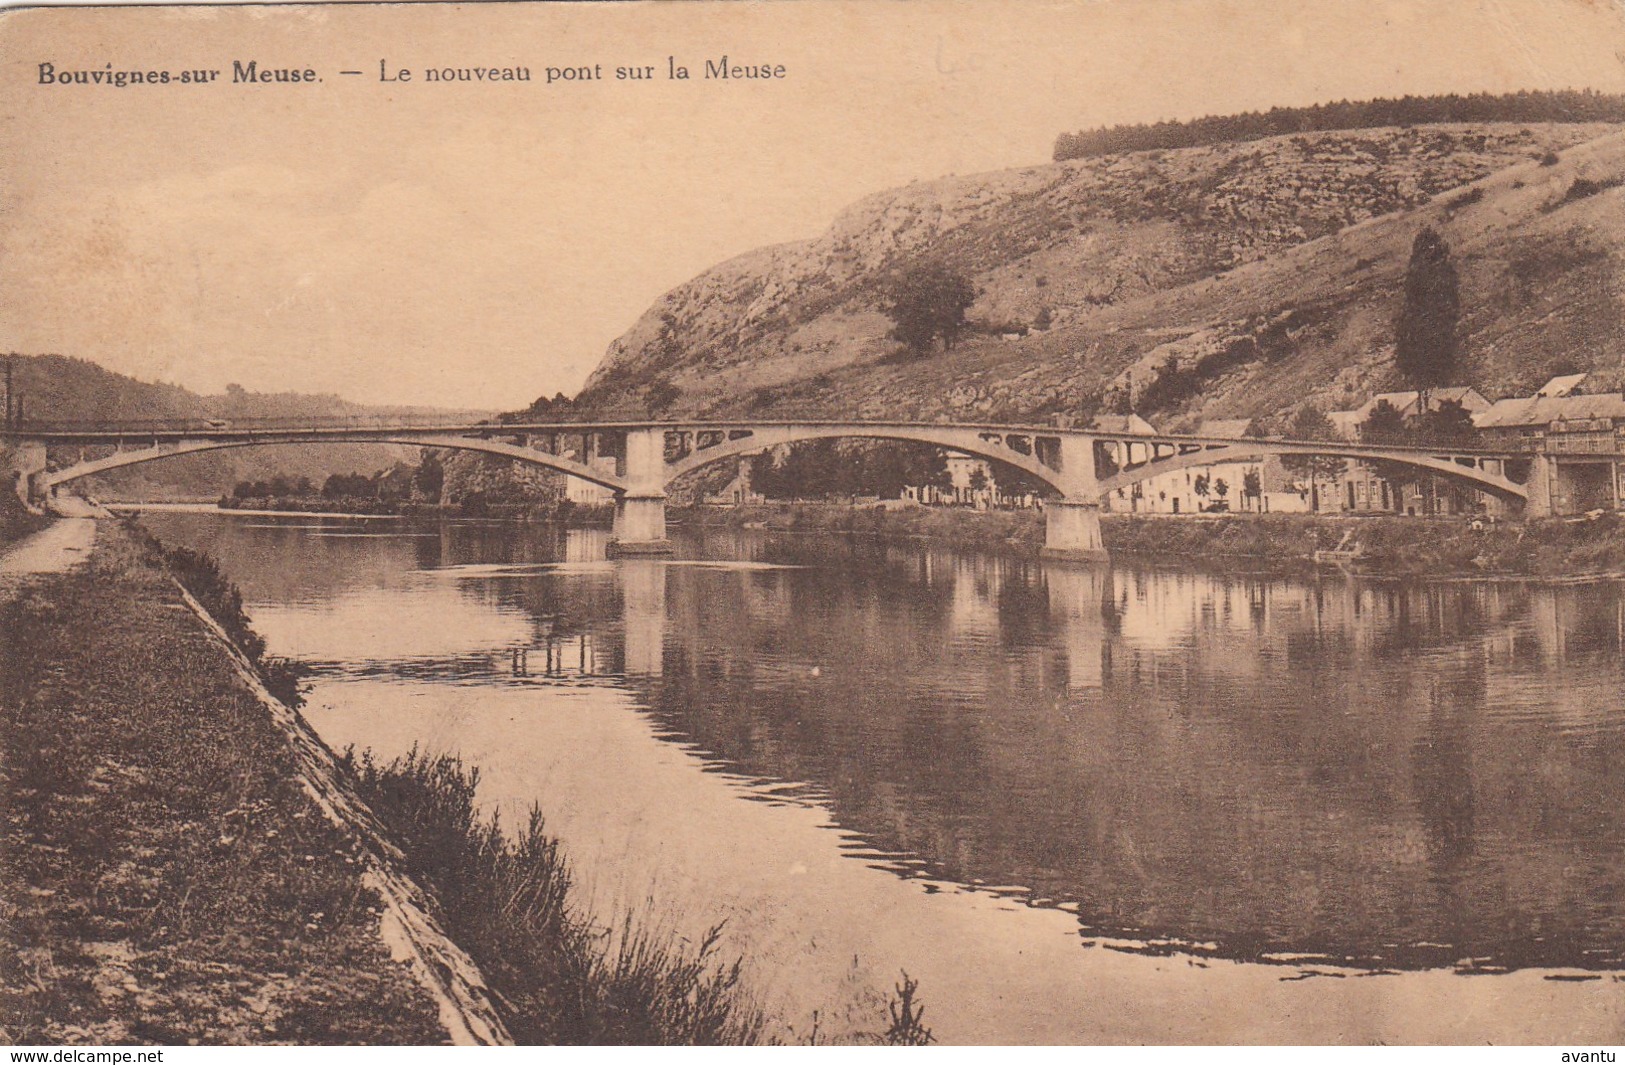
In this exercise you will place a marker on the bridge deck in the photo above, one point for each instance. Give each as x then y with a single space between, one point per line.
69 433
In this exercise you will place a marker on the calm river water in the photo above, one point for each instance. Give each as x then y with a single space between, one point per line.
1078 804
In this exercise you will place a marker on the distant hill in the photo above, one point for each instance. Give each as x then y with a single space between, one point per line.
56 388
1273 265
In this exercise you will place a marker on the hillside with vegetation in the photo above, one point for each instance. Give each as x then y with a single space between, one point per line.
56 389
1264 274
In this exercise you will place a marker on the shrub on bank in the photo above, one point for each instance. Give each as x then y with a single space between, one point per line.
506 900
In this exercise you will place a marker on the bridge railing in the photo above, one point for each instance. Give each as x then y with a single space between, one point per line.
204 425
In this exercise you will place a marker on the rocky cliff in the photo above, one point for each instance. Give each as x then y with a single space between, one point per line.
1268 270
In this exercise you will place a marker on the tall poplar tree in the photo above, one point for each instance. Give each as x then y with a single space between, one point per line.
1426 342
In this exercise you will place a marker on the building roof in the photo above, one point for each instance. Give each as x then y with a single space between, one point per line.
1405 402
1561 385
1346 422
1128 424
1225 428
1530 411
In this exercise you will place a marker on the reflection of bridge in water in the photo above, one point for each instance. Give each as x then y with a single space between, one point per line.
1088 628
639 461
1100 620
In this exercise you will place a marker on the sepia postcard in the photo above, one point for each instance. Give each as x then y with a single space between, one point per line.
813 522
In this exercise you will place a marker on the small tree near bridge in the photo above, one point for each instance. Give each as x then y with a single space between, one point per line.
1310 424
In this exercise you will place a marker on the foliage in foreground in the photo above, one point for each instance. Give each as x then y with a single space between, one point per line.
157 839
558 977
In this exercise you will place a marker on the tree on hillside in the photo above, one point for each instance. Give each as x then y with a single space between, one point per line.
927 301
668 348
660 395
1310 424
1426 344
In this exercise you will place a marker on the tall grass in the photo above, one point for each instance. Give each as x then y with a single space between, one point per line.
558 976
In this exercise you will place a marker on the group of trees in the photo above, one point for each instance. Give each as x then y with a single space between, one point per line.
1449 424
829 469
822 469
423 481
1217 487
1561 106
558 408
278 487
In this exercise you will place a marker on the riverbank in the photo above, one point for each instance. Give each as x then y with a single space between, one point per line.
193 864
174 874
1555 548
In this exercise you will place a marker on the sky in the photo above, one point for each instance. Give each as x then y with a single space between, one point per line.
481 244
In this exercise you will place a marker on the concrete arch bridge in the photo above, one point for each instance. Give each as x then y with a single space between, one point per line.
638 461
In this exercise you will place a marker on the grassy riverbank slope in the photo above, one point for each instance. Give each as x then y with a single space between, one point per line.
1555 548
167 878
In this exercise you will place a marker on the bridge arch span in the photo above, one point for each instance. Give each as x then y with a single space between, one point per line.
1259 450
965 441
121 459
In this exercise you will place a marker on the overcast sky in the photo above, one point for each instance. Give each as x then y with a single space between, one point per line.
481 244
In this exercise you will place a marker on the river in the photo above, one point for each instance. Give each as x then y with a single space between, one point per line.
1078 804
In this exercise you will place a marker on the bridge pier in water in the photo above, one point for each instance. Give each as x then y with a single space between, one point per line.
1072 531
640 510
640 526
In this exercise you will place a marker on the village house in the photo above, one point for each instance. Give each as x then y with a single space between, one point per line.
1579 441
1361 488
1218 487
